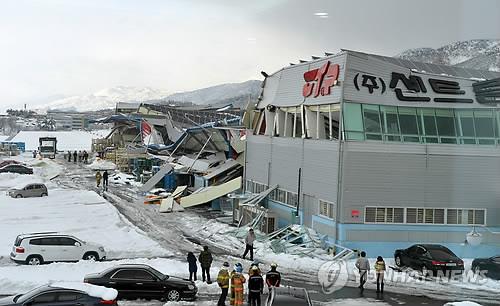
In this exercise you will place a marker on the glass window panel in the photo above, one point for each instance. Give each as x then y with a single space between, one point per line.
451 216
470 217
380 214
408 120
420 215
370 214
430 139
448 140
355 135
411 215
389 216
427 121
445 122
373 136
497 123
389 116
471 141
483 120
486 141
465 123
371 118
399 215
410 139
479 217
392 138
352 117
429 216
439 216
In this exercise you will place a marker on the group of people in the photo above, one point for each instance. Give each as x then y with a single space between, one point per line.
79 156
104 177
235 279
364 267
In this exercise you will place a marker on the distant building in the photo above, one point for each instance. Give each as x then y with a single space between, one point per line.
390 152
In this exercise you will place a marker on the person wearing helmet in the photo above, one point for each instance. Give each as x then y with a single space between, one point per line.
255 287
238 280
223 282
231 297
255 263
273 277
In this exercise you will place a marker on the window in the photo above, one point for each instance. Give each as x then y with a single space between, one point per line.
408 122
483 120
124 274
465 126
390 122
384 214
353 123
67 241
50 241
45 298
30 187
371 118
143 275
69 296
36 241
446 125
466 216
327 209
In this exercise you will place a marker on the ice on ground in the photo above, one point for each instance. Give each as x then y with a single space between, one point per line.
124 179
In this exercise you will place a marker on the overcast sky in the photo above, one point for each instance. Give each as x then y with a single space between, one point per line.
54 48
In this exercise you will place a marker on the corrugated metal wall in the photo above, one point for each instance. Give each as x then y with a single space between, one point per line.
408 175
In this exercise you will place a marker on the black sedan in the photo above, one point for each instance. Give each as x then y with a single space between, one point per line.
288 296
16 169
490 266
430 259
54 295
143 282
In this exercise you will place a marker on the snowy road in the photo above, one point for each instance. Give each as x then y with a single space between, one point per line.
168 238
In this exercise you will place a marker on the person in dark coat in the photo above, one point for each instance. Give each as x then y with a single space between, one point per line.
205 259
193 267
273 277
255 287
75 156
105 178
69 156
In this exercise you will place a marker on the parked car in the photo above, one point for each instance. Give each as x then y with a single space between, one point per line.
39 248
491 266
14 168
429 259
9 162
288 296
30 190
143 282
62 294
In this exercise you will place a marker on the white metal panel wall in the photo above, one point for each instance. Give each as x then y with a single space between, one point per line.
406 175
270 88
360 64
258 157
286 160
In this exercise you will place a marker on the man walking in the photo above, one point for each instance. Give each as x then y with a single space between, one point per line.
273 277
105 179
205 260
249 238
364 267
223 282
255 287
98 178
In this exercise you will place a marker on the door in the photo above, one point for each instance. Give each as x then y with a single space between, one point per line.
44 299
68 250
124 282
50 249
148 285
308 205
30 191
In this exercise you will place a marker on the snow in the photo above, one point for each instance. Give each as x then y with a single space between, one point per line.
465 303
66 140
104 293
102 164
355 302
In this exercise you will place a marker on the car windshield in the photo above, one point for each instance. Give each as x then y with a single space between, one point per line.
21 298
159 274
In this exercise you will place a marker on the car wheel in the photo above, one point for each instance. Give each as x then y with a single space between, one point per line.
19 196
173 295
43 195
91 256
398 261
34 260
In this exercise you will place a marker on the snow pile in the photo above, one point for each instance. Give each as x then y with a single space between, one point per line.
101 164
104 293
124 179
464 303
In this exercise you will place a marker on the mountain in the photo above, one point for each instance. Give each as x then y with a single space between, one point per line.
482 54
220 93
104 99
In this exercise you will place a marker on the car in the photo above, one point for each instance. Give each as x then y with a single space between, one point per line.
429 259
63 294
45 247
141 281
9 162
14 168
490 266
30 190
288 296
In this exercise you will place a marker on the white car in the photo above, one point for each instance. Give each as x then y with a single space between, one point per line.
39 248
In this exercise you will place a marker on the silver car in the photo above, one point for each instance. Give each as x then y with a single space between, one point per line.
30 190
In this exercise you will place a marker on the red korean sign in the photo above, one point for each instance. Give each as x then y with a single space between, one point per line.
327 75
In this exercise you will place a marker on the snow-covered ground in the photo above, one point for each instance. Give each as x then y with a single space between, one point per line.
79 210
66 140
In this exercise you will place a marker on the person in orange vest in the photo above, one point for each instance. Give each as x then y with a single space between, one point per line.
223 282
231 297
238 280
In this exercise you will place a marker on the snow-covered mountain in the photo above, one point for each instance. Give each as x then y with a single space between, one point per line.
219 93
483 54
105 99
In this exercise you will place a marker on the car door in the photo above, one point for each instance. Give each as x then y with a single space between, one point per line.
69 298
148 284
124 281
29 191
51 249
68 250
412 256
44 299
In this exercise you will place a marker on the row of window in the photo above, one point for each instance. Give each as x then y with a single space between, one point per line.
327 209
277 195
422 125
425 215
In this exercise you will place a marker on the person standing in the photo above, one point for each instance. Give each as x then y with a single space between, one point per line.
363 267
223 282
193 267
205 259
380 270
273 277
238 280
249 239
69 156
255 287
105 179
34 153
98 178
75 156
232 296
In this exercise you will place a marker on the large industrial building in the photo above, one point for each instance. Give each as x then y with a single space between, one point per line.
380 153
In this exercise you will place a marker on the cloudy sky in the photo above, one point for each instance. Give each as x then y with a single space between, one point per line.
56 48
